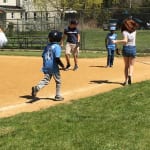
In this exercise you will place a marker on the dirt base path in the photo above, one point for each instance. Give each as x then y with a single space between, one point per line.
19 74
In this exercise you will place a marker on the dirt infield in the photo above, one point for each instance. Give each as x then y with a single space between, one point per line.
19 74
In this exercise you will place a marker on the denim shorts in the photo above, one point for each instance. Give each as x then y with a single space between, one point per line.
129 51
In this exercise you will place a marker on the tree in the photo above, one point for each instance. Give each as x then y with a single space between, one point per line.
47 4
107 3
146 3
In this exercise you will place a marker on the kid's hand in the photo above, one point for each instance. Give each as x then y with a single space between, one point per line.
114 41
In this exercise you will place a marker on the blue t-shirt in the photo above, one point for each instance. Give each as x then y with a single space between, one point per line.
109 38
72 35
50 53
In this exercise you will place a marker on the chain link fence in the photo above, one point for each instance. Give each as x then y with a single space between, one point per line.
31 33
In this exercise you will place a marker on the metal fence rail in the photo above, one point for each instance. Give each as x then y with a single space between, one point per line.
91 39
26 42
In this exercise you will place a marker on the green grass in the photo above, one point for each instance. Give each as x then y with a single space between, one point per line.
20 53
143 38
95 39
83 54
117 120
91 39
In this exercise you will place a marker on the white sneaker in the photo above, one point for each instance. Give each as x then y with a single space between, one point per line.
59 98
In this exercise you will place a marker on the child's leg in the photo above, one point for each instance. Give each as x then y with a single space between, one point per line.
68 53
108 56
44 81
112 58
40 85
126 68
131 65
57 79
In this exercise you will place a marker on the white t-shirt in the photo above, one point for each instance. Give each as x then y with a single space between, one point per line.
3 39
131 38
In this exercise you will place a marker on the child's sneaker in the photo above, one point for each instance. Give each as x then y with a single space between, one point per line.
129 80
59 98
68 67
75 68
125 83
34 91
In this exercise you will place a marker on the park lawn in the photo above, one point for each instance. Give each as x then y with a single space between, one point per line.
116 120
91 39
95 40
82 54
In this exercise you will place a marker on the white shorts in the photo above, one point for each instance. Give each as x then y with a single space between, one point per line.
71 49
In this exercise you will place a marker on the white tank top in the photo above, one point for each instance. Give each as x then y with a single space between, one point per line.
131 37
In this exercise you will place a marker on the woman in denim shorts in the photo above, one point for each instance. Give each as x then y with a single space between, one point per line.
128 30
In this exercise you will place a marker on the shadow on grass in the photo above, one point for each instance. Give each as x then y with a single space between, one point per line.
35 99
105 81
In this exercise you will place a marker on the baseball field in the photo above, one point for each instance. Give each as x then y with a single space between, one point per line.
19 74
98 113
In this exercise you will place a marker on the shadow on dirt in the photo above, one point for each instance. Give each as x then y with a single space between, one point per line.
35 99
104 81
97 66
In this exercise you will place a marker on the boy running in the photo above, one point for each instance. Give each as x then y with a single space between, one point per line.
51 62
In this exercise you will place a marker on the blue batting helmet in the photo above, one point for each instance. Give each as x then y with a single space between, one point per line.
55 36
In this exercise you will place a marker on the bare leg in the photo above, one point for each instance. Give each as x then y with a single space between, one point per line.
131 65
75 56
126 61
75 59
68 59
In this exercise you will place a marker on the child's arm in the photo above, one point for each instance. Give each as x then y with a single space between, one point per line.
106 42
123 41
60 63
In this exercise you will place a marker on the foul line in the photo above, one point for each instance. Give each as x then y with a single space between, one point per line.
142 62
11 107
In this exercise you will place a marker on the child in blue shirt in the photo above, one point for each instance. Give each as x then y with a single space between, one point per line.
110 46
51 62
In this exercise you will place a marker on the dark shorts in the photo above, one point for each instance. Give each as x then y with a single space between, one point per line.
129 51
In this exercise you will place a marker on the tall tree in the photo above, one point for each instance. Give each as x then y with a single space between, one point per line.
107 3
47 4
67 4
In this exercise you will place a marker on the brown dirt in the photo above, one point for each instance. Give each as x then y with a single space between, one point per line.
19 74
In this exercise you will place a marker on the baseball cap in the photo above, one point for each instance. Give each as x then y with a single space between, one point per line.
112 28
75 22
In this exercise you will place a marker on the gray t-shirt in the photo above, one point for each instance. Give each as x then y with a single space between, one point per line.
131 38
